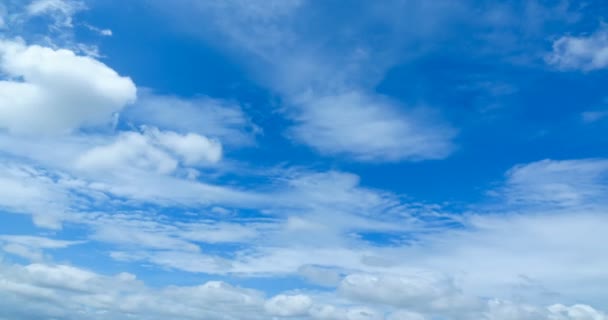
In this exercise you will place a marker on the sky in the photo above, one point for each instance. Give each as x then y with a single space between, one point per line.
303 159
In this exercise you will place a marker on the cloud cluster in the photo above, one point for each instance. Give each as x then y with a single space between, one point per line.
158 197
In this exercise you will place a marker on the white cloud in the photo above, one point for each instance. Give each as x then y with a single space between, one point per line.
62 11
370 128
421 291
221 119
30 191
561 183
584 53
506 310
194 149
340 114
152 150
130 150
66 292
57 91
30 247
101 32
575 312
288 305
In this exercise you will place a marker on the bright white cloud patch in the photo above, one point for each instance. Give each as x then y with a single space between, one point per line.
586 53
369 128
55 91
152 150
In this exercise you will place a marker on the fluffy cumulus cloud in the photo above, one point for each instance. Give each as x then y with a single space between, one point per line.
586 52
55 91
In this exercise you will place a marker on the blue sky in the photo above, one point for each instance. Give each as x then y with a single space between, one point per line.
301 159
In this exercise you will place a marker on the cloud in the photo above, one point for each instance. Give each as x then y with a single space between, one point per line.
506 310
66 292
217 118
152 150
288 305
326 76
61 11
130 150
576 312
99 31
561 183
30 191
30 247
585 53
417 291
56 91
320 276
369 128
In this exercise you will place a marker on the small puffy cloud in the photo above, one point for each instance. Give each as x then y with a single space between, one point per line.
56 91
584 53
153 150
369 128
288 305
193 148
